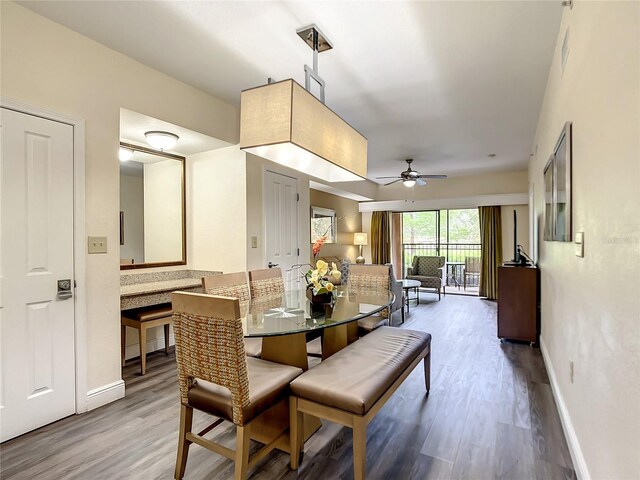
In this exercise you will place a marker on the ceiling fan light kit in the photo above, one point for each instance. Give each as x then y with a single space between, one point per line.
283 122
410 178
161 140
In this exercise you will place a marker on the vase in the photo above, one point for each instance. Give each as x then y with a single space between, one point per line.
319 302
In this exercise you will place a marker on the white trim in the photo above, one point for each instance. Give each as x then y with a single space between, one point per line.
579 462
445 203
105 394
79 237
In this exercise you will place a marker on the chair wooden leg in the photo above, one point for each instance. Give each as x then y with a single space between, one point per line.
186 419
295 433
142 338
427 372
242 452
166 339
464 281
359 448
123 342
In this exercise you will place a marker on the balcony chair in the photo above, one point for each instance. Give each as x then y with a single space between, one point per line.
219 379
233 285
430 272
471 268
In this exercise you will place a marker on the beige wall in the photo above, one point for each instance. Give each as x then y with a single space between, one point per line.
457 187
50 66
163 211
218 210
590 305
348 223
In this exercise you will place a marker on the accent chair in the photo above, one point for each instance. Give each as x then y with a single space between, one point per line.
430 272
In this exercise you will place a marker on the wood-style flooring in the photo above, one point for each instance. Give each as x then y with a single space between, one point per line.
490 415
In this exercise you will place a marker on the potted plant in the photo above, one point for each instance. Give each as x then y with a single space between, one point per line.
320 290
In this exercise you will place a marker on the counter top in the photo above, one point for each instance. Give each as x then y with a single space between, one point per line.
155 287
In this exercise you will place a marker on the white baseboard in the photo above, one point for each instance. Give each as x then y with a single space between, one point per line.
579 462
105 394
153 344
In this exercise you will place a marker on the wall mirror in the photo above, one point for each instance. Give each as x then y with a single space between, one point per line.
323 223
152 209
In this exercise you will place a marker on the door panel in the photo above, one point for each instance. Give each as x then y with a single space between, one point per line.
281 222
36 250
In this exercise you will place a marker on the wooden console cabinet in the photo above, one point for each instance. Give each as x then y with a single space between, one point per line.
519 303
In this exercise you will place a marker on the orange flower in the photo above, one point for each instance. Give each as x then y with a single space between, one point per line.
318 245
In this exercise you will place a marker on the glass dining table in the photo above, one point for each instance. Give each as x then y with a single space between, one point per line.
283 321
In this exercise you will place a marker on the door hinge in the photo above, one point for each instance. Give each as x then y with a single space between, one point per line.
297 197
298 252
75 284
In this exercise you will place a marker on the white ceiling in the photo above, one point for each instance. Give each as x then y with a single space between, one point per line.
446 83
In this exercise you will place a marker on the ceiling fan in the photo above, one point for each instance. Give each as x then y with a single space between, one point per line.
410 177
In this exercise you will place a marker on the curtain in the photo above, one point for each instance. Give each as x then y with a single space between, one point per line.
380 238
491 250
396 244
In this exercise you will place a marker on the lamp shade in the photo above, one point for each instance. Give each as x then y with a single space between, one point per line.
359 238
284 123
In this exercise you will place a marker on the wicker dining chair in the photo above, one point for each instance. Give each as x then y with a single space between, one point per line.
216 377
266 282
233 285
363 278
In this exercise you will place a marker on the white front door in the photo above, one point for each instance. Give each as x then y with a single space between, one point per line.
37 383
281 222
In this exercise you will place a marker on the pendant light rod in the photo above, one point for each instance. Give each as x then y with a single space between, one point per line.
318 42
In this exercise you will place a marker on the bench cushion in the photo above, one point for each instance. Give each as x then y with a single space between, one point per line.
357 376
144 314
268 383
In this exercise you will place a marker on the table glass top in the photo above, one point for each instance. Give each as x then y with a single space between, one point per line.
291 312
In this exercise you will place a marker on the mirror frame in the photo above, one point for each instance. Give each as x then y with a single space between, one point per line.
172 156
321 212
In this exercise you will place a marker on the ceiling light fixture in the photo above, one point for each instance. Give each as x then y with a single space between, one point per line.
161 140
125 154
408 183
286 124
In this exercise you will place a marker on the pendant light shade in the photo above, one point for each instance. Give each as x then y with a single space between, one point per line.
161 140
284 123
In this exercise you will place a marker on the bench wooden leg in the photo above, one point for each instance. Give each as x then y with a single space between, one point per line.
359 447
166 339
295 433
427 372
242 452
186 419
123 342
142 338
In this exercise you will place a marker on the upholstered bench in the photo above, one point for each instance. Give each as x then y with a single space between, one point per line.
351 386
142 319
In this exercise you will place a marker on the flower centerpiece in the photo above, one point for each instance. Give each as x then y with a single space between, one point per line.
320 289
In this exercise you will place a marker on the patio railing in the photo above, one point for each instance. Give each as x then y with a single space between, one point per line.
453 252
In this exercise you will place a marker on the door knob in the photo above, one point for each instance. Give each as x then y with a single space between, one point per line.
64 289
271 265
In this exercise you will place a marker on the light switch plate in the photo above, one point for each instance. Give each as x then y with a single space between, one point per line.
254 242
579 244
97 245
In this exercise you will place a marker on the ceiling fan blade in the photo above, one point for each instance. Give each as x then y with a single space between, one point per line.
420 182
433 176
381 178
391 183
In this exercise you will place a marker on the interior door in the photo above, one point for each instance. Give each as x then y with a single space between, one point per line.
37 383
281 222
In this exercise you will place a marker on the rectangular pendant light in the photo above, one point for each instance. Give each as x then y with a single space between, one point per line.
284 123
